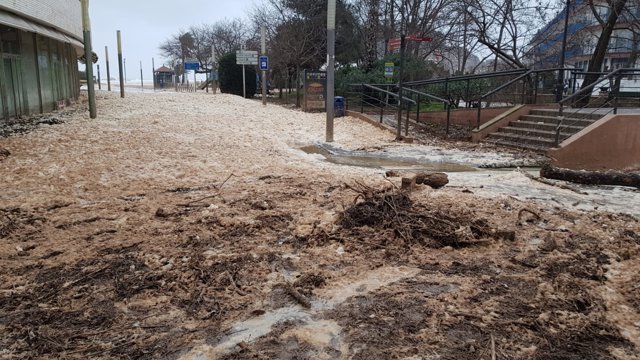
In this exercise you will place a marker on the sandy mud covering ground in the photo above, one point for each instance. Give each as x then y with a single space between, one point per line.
189 226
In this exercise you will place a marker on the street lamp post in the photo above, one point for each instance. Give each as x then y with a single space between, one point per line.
331 58
560 86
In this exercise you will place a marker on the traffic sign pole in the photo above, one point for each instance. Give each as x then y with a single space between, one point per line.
244 83
264 71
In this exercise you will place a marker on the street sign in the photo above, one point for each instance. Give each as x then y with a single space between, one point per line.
419 38
246 57
192 66
394 44
388 69
264 63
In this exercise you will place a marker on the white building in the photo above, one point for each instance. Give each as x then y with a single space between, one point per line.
40 41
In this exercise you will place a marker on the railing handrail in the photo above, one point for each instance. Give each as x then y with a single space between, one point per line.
516 79
388 93
590 86
465 77
433 97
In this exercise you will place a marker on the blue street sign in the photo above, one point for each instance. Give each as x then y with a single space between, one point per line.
264 63
191 66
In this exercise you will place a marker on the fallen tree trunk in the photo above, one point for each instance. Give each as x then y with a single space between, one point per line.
592 177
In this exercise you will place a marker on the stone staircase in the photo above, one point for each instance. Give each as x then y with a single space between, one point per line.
537 131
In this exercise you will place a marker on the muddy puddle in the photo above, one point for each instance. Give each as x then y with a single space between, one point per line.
312 327
382 161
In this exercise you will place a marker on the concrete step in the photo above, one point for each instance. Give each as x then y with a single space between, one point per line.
543 126
530 132
572 113
554 120
514 144
529 141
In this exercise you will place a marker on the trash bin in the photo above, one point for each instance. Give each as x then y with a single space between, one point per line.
338 106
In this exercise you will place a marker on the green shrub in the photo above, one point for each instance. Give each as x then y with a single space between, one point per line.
230 76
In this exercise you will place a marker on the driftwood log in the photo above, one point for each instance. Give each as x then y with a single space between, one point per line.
435 180
592 177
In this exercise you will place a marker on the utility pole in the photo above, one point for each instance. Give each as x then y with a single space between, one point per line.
120 66
403 45
106 56
86 31
264 72
331 58
560 86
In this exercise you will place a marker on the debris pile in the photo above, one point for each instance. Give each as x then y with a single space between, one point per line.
391 209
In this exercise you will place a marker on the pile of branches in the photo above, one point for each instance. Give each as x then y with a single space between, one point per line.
392 209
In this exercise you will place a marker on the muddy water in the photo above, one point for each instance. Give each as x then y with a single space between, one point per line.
488 182
312 329
382 161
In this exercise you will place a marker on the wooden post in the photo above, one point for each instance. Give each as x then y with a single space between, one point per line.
141 77
86 30
213 70
120 64
106 56
153 72
99 81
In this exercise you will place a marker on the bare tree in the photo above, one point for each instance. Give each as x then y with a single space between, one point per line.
614 9
224 36
505 27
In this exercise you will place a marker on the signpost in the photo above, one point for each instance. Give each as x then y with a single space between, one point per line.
264 63
246 57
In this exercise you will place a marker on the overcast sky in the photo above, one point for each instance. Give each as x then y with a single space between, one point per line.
145 24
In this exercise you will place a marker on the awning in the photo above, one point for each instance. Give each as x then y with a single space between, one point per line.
18 22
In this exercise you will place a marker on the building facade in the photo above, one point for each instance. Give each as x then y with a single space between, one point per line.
40 41
583 31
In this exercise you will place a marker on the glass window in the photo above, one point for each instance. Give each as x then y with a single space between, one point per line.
10 40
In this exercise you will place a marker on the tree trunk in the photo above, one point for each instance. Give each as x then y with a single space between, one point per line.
297 86
592 177
597 58
372 34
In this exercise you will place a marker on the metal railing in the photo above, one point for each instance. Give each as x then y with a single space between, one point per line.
585 103
493 90
419 94
381 101
499 88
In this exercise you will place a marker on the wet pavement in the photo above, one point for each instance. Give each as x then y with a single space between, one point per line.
485 174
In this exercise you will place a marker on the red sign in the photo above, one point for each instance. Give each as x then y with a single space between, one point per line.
394 44
418 38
